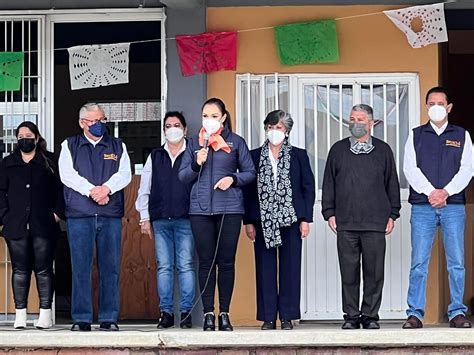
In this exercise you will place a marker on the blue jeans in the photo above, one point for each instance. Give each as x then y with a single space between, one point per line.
424 220
105 233
174 245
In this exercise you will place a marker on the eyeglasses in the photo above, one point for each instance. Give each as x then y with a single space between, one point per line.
91 122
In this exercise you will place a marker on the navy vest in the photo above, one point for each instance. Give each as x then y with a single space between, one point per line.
439 158
169 197
96 164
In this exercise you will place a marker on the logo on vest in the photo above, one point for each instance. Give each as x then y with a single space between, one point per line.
110 156
456 144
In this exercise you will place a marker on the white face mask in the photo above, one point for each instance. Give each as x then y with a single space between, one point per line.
211 125
275 136
437 113
174 134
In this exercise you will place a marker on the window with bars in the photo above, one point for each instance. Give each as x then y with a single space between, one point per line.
321 105
20 35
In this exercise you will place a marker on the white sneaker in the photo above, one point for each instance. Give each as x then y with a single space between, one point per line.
45 319
20 319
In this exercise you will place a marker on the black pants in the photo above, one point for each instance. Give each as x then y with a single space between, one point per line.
205 231
350 247
29 254
278 273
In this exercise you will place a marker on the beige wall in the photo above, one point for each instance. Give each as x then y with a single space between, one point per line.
367 44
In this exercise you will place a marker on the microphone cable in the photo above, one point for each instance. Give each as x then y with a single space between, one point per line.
217 242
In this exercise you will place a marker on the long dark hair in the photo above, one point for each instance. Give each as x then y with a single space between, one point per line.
220 104
41 145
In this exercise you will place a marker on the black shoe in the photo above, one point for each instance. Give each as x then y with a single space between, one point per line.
370 324
269 325
351 324
286 324
224 322
209 322
166 320
109 326
81 327
186 320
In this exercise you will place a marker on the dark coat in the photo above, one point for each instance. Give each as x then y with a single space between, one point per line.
30 194
302 185
236 164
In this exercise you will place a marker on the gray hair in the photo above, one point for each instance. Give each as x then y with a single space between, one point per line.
279 116
88 108
364 108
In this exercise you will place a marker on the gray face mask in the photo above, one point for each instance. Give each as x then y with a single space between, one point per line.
358 130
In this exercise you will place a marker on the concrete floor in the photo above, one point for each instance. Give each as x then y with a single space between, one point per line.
303 336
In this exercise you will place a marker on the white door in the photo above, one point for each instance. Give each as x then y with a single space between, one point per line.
320 105
324 106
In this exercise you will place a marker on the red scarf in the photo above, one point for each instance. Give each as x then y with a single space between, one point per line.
215 141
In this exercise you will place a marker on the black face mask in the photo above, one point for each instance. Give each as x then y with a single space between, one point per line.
27 145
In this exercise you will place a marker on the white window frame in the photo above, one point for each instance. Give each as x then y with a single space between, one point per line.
296 97
44 107
99 15
27 107
325 240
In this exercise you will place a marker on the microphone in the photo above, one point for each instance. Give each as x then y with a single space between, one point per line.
206 140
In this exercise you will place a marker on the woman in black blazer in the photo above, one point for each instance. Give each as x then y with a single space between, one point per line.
31 203
278 210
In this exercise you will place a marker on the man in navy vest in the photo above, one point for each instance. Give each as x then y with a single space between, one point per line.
438 167
163 200
94 168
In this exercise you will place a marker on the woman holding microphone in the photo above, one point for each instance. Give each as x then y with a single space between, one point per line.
218 163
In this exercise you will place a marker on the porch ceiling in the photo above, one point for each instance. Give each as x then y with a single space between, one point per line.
75 4
458 4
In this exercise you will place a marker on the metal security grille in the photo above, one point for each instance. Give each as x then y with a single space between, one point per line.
320 105
19 34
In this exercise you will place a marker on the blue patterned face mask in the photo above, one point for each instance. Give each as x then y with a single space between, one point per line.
97 129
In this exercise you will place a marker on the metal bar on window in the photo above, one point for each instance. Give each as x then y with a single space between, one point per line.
385 112
371 95
5 117
371 99
262 108
264 93
29 67
11 92
315 134
277 92
249 131
397 126
5 261
23 70
328 113
340 111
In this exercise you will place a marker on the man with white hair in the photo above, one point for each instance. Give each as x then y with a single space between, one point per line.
361 201
95 168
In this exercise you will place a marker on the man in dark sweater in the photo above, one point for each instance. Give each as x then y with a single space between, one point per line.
361 201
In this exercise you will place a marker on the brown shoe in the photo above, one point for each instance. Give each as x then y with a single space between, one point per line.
460 321
412 323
